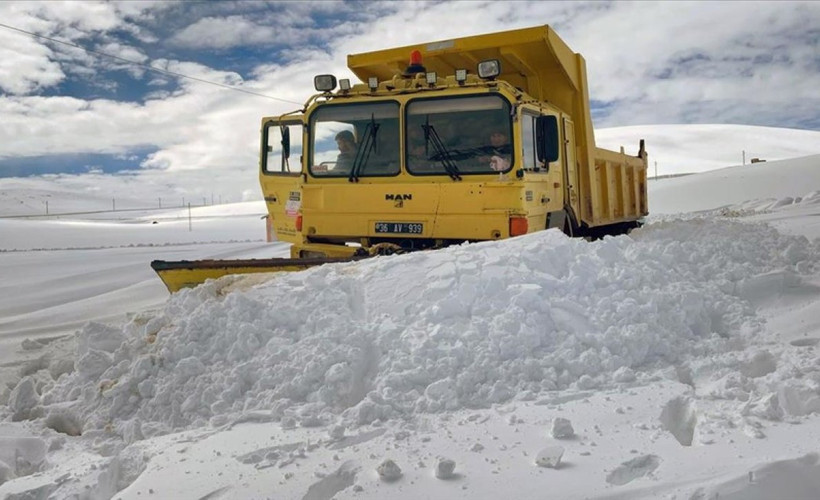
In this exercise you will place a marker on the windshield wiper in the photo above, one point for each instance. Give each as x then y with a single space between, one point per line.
363 150
442 154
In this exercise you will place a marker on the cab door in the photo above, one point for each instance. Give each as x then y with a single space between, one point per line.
280 174
572 169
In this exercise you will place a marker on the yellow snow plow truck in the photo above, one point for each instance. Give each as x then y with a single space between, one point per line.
470 139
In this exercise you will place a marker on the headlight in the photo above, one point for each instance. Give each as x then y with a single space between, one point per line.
324 83
490 68
373 83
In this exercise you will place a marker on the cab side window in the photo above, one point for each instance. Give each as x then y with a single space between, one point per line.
528 154
282 148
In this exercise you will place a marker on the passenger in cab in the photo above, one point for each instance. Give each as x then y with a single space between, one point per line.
418 151
497 155
415 143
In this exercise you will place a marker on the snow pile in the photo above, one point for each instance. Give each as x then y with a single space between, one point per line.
767 205
356 343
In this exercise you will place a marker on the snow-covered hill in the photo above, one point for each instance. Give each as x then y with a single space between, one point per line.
756 187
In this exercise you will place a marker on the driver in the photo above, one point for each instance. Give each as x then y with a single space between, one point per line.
347 150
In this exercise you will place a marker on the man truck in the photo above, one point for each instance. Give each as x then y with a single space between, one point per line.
463 140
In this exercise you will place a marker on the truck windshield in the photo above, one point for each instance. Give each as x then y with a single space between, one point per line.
458 136
355 140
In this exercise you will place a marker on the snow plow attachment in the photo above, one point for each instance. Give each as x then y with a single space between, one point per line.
189 273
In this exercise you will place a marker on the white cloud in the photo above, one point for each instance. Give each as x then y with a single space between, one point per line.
25 65
28 65
728 45
221 33
123 51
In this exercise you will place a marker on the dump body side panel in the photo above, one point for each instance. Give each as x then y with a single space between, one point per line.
614 189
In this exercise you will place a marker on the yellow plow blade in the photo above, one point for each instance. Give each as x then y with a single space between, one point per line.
190 273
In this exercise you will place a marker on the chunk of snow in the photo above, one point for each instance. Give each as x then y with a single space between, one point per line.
445 468
389 471
550 457
562 428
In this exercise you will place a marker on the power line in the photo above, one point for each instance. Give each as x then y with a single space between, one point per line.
147 66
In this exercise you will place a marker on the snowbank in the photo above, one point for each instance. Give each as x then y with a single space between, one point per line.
357 343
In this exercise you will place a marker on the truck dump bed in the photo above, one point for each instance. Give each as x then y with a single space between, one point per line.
617 189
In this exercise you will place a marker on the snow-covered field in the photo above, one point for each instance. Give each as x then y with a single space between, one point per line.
677 362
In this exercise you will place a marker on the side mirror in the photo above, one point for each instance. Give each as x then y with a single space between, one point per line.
285 142
546 138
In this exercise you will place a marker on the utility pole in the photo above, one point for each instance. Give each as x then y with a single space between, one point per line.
113 204
656 170
189 217
744 157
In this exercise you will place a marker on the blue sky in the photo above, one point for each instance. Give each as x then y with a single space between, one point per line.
69 110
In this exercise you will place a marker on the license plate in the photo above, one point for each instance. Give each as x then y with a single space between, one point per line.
400 227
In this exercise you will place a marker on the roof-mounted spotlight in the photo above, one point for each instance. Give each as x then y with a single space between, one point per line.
431 78
461 76
344 84
373 83
489 69
324 83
